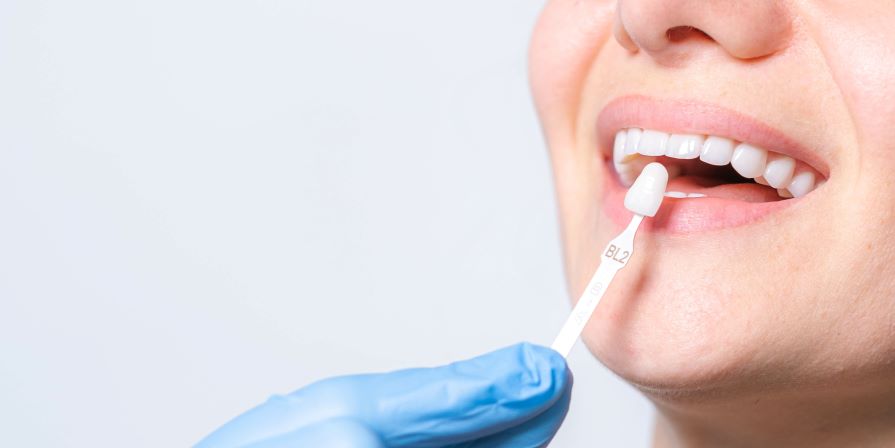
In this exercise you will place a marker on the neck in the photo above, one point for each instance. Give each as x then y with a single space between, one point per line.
818 418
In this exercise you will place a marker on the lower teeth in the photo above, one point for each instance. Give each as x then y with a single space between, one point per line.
682 195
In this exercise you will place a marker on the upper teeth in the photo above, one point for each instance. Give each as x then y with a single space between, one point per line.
634 148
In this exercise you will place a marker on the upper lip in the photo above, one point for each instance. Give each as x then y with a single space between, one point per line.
686 116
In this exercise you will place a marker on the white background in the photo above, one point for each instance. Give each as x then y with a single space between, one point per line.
206 202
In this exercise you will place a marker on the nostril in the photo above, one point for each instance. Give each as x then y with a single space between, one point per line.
682 33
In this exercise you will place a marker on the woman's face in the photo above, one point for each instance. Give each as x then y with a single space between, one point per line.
743 289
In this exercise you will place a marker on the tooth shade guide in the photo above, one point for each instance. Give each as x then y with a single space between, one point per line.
644 198
648 191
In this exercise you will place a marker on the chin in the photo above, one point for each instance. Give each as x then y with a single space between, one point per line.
677 338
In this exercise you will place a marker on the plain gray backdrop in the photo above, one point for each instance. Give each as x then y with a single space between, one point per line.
207 202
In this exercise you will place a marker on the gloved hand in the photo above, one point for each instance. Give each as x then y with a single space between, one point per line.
514 397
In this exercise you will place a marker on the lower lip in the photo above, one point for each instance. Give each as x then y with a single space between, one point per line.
689 215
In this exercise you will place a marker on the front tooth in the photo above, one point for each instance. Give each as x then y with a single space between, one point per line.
618 148
779 171
632 140
627 166
749 161
802 184
717 151
675 194
684 146
652 143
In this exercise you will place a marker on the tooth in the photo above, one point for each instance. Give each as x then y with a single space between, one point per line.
618 148
619 144
696 195
684 146
802 184
632 140
628 171
749 161
675 194
784 193
717 151
627 166
779 171
762 181
652 143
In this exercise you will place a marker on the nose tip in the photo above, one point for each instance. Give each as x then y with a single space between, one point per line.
670 30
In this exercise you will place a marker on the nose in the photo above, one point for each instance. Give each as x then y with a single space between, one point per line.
670 30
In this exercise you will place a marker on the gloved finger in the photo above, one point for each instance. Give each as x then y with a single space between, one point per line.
337 433
466 400
428 407
534 433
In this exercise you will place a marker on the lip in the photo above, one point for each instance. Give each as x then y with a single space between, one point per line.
682 216
680 116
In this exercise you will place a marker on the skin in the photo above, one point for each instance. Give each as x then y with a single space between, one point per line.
776 333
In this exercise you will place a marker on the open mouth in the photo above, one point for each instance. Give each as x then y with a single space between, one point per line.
714 180
711 166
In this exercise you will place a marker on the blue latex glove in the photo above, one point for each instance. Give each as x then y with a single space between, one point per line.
514 397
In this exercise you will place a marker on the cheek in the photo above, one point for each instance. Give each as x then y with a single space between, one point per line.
565 42
857 43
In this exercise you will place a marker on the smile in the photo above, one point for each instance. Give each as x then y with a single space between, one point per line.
725 169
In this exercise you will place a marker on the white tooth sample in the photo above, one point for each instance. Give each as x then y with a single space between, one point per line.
648 191
684 146
750 161
762 181
802 184
784 193
779 171
717 151
652 143
696 195
632 140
